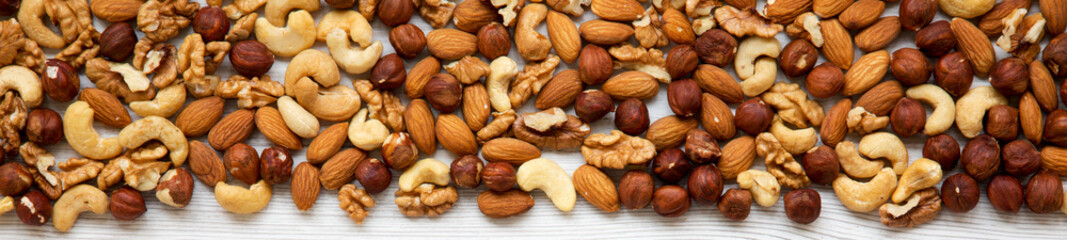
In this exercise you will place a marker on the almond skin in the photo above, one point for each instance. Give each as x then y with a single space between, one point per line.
737 156
198 118
476 110
206 164
419 75
564 36
1043 86
232 129
617 10
834 126
454 135
596 187
451 44
861 14
1030 118
669 131
327 143
837 43
602 32
560 91
504 204
341 168
270 123
717 118
509 150
866 72
106 107
305 186
718 82
879 35
419 121
677 27
631 84
974 45
472 16
881 98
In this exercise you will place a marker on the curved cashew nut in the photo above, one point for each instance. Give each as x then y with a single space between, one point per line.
74 201
795 142
868 196
922 173
168 101
354 60
535 46
366 134
944 108
855 165
763 185
349 22
297 35
766 70
336 103
424 171
888 146
276 10
971 108
243 201
79 132
24 81
299 120
156 128
501 71
312 64
758 74
548 176
71 17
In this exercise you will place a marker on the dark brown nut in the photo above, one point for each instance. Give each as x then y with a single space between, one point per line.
175 188
592 105
944 149
682 60
716 47
494 41
594 65
399 151
670 201
1055 55
15 179
825 80
705 184
1056 127
341 4
242 162
408 40
753 116
211 23
981 157
498 176
1020 158
1010 76
395 12
251 58
444 92
700 147
915 14
276 165
908 117
936 39
910 66
126 204
1044 192
44 126
821 165
1002 122
389 73
467 171
10 7
803 205
635 189
474 15
60 81
34 208
373 175
735 204
1005 193
117 41
953 73
632 117
683 96
798 58
959 193
671 165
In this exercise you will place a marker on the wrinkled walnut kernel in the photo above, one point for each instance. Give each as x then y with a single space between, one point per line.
426 199
617 150
355 202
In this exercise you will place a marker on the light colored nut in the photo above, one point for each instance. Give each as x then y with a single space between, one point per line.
74 201
944 108
71 17
24 81
548 176
793 105
276 10
79 132
868 196
297 34
922 174
354 60
241 200
616 150
347 21
793 141
532 45
965 8
366 134
971 108
763 185
300 121
855 165
311 64
168 101
888 146
156 128
781 163
649 61
501 71
424 171
862 122
757 73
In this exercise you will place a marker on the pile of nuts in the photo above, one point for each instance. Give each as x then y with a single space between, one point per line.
782 122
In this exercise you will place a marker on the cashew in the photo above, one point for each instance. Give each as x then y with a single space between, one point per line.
548 176
424 171
855 165
532 45
276 10
70 17
79 132
354 60
297 35
311 64
74 201
865 197
366 134
336 103
758 74
156 128
6 204
241 200
168 101
501 71
885 145
763 185
24 81
944 109
971 108
796 142
349 22
922 173
134 79
298 120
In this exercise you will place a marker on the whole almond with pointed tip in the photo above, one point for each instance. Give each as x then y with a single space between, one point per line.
631 84
205 164
1043 86
737 156
602 32
419 121
1055 17
327 143
564 36
419 75
451 44
718 82
717 118
232 129
881 99
198 118
866 72
1030 118
677 27
305 186
504 204
106 107
785 11
829 8
596 187
669 131
834 126
454 135
270 124
879 35
617 10
560 91
861 14
476 110
509 150
974 45
341 168
837 43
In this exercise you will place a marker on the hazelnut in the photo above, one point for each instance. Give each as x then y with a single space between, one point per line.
1010 76
592 105
408 40
251 58
825 80
594 65
1056 127
275 165
632 117
242 162
959 192
635 189
467 171
117 42
498 176
753 116
373 175
1002 122
1044 192
705 184
495 41
681 61
341 4
683 96
389 73
175 188
395 12
1020 157
670 201
9 7
944 149
61 81
1005 193
908 117
910 66
915 14
1055 55
798 58
211 23
716 47
443 92
981 157
34 208
15 179
671 165
399 151
936 39
821 165
126 204
953 73
735 204
44 126
803 205
700 147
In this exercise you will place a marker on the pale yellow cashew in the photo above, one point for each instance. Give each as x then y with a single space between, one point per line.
243 200
348 21
72 17
757 73
971 108
763 185
299 120
168 101
944 108
336 103
888 146
424 171
24 81
795 142
276 10
297 35
868 196
548 176
354 60
156 128
79 132
78 199
855 165
367 134
922 173
501 71
314 64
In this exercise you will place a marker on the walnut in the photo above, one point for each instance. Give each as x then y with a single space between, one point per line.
1022 36
215 53
193 67
355 202
862 122
617 150
703 24
700 8
72 17
560 131
239 8
85 47
648 31
435 12
138 167
498 127
468 70
99 71
15 48
648 60
806 26
78 170
368 8
780 163
745 22
36 156
162 20
250 93
158 59
920 208
426 199
242 28
383 105
793 105
13 114
531 79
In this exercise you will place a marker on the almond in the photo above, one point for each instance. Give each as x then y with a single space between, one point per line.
419 75
305 186
476 108
206 164
837 43
1055 12
454 135
861 14
1030 118
596 187
829 8
564 36
198 118
718 82
631 84
419 121
717 118
327 143
270 123
560 91
879 35
669 131
451 44
617 10
106 107
677 27
232 129
1054 159
737 156
785 11
1043 87
881 99
868 71
604 32
509 150
341 168
974 45
993 21
834 125
504 204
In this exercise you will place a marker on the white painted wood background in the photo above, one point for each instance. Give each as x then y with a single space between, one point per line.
203 218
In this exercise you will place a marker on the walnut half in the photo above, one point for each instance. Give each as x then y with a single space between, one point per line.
355 202
617 150
920 208
426 199
780 163
551 128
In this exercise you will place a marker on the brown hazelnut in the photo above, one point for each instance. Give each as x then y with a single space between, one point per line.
681 61
44 126
1020 157
389 73
1056 127
373 175
936 39
753 116
443 92
821 165
341 4
635 189
117 42
735 204
594 65
251 58
908 117
472 16
825 80
467 171
15 179
959 193
34 208
981 157
1002 122
175 188
1005 193
716 47
632 117
399 151
242 162
671 165
915 14
494 41
1044 192
276 165
705 184
700 147
1055 55
944 149
1010 76
60 81
797 58
953 73
803 205
592 105
498 176
395 12
670 201
9 7
910 66
126 204
683 96
211 23
408 40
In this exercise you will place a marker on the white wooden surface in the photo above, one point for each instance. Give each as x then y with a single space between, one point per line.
203 218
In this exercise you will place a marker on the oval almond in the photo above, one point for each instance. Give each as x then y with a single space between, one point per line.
509 150
198 118
232 129
504 204
454 135
717 118
866 72
560 91
596 187
604 32
669 131
451 44
420 124
327 143
631 84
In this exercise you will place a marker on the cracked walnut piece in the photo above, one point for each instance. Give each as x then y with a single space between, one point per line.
531 79
162 20
12 119
384 106
862 122
551 128
241 7
435 12
158 59
72 17
498 127
250 93
648 60
78 170
468 70
85 47
19 50
355 202
793 105
617 150
920 208
745 22
138 167
242 28
100 72
426 199
648 31
780 163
